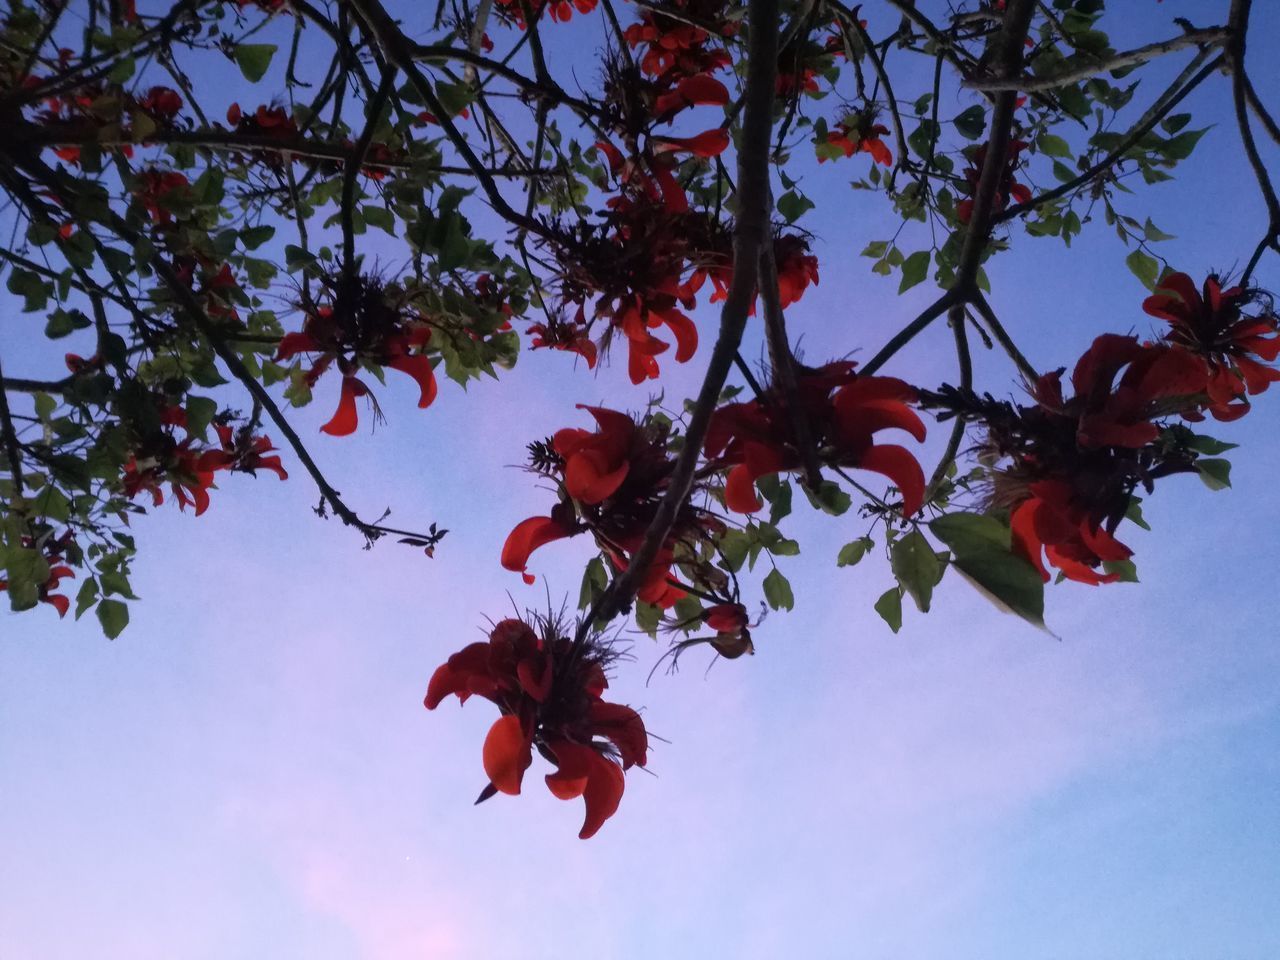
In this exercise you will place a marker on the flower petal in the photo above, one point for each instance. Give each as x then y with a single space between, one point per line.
902 469
507 754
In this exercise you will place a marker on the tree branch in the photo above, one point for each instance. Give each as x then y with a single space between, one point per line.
749 236
1210 36
1158 111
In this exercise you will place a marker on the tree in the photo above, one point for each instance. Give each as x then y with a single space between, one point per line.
210 250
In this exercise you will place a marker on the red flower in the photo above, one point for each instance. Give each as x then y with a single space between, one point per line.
698 90
162 103
1053 522
611 480
548 690
1232 347
709 143
361 326
859 133
797 268
56 575
1157 380
754 439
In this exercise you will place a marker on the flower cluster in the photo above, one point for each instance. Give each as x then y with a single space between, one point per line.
671 44
1214 329
157 457
844 412
92 109
611 481
857 132
549 691
1066 468
362 325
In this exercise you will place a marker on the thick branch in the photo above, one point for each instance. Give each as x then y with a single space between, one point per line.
1210 36
749 236
783 363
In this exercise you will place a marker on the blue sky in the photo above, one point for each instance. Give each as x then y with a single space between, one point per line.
249 771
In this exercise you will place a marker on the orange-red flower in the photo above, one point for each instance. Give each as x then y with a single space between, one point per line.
1053 522
611 481
1234 348
859 133
362 327
844 411
549 691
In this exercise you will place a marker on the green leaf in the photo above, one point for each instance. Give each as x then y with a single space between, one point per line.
1125 568
889 606
1154 234
381 218
254 237
114 617
733 549
1207 445
254 59
648 616
1180 147
972 122
854 551
1133 513
829 498
1215 473
594 581
1053 146
793 205
86 597
914 269
777 591
917 568
876 249
982 553
1146 268
63 322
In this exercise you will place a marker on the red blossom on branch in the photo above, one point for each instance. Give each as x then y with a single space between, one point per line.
1233 347
754 439
549 691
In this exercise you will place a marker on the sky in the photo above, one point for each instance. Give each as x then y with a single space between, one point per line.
249 772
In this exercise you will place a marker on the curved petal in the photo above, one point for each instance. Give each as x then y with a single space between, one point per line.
587 476
624 727
345 419
740 491
702 89
1257 377
1026 541
726 617
527 537
507 754
292 344
1176 306
418 367
685 332
902 469
584 772
452 676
